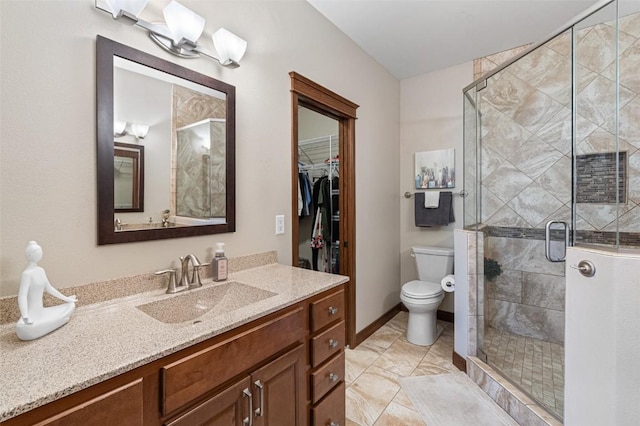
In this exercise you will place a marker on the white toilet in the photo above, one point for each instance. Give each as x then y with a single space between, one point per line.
422 297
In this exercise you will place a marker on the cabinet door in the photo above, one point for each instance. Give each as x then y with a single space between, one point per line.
278 391
227 408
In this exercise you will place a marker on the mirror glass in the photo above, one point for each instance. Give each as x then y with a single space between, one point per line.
175 179
128 177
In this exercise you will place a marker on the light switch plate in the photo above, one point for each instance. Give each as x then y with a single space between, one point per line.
279 224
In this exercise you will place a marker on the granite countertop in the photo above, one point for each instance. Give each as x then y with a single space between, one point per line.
106 339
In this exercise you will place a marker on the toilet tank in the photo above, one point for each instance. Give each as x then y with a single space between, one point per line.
433 263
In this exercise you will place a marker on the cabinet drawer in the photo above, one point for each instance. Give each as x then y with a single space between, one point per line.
331 409
194 375
100 411
327 377
228 407
327 343
327 310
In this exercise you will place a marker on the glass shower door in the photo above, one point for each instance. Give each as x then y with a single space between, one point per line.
554 164
525 181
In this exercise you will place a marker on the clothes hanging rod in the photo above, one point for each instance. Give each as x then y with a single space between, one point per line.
461 194
320 166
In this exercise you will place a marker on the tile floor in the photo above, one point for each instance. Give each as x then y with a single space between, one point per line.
374 396
535 365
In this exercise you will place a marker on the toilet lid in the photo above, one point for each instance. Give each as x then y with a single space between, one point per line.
422 289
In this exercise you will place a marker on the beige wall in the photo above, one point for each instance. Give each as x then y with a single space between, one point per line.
48 133
431 119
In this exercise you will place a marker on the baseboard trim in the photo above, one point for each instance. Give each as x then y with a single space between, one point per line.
371 328
446 316
459 361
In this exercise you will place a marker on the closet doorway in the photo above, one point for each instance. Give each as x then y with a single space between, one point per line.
323 185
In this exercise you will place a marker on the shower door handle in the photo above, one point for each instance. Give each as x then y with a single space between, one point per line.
547 241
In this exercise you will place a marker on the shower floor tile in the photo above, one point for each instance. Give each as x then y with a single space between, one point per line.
535 365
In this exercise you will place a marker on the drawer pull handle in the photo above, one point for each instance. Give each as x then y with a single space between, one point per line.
248 421
260 410
334 424
333 377
333 343
332 310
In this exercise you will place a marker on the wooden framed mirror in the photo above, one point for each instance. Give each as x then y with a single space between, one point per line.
185 194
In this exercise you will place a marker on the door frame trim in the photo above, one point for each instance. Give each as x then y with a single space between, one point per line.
305 92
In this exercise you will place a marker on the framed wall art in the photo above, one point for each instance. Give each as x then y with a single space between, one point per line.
435 169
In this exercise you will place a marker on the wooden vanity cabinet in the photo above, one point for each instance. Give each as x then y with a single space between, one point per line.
270 355
285 369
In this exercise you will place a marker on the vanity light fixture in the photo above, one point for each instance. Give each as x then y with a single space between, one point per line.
180 32
119 128
138 130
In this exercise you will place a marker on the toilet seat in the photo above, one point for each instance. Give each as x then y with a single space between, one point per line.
422 290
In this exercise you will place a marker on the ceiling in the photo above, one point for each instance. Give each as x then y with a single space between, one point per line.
413 37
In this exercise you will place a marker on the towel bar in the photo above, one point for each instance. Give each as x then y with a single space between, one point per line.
462 194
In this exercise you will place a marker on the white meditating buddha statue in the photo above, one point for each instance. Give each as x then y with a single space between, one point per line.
36 320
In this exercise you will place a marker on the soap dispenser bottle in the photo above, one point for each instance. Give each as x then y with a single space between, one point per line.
219 265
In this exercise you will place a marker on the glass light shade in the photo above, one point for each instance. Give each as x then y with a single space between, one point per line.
229 46
119 127
140 130
134 7
183 22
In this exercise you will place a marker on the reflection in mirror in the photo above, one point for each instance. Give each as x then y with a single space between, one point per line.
200 171
128 177
184 174
188 179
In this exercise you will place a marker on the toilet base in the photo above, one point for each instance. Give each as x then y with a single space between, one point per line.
423 330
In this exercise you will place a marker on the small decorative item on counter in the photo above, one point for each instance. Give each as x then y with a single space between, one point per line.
165 218
36 320
219 264
491 268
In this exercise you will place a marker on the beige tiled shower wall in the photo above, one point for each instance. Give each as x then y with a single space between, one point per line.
526 128
201 170
526 162
528 297
190 107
